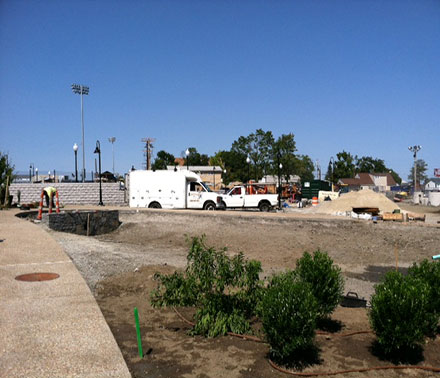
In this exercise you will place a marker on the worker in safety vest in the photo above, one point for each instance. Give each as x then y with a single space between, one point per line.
49 194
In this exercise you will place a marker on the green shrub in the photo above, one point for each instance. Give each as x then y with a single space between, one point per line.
325 279
288 313
399 314
225 290
429 272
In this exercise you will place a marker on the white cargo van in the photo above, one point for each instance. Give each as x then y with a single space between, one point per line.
170 190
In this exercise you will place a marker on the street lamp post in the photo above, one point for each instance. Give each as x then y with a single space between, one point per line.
187 158
414 150
82 90
98 151
36 173
248 161
280 167
75 150
112 140
30 174
213 169
332 162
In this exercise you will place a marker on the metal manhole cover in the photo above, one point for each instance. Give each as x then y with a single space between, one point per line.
32 277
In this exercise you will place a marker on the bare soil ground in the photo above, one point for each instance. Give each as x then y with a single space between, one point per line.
119 268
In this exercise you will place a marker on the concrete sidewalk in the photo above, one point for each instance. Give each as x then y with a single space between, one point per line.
49 328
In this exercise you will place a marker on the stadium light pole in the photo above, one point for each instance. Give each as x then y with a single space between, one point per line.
414 150
112 140
82 90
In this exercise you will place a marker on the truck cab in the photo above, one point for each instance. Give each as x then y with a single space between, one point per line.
242 197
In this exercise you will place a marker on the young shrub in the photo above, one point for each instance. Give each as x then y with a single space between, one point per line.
325 279
288 313
399 314
173 290
225 290
429 272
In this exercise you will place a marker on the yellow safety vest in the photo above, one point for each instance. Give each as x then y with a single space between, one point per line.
50 190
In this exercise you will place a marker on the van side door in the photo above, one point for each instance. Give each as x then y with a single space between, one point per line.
195 200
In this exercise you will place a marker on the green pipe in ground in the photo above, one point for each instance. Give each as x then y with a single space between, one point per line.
138 332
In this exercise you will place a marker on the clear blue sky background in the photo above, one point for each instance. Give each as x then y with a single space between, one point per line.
355 75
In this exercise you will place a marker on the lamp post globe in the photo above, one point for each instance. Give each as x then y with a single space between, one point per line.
75 150
187 158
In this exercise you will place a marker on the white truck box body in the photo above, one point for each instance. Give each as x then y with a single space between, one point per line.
170 189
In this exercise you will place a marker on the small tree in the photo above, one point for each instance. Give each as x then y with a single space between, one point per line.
399 313
225 290
325 279
6 176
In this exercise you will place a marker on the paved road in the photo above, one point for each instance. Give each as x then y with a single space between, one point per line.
49 328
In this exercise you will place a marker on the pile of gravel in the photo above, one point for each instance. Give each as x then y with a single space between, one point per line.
363 198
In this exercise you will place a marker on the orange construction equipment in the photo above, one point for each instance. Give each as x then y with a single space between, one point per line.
315 201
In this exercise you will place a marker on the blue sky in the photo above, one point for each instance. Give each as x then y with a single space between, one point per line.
355 75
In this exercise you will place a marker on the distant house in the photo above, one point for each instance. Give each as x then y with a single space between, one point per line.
433 184
380 182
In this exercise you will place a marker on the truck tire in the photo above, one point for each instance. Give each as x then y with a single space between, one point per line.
209 206
264 206
155 205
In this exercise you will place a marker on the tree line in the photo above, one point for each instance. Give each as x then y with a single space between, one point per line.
268 155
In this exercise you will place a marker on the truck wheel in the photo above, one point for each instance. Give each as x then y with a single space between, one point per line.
209 206
155 205
223 205
264 206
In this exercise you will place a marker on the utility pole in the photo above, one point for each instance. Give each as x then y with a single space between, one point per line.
147 151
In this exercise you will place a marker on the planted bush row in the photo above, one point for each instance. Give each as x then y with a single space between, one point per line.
227 293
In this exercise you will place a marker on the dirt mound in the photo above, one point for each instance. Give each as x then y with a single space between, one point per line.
362 198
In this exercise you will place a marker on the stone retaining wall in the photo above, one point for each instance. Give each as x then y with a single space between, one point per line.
72 193
84 222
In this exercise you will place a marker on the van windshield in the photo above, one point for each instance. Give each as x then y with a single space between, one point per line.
206 187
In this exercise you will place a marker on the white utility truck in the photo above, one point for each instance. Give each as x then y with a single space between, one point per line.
170 190
239 197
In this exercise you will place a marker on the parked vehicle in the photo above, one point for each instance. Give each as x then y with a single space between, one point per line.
242 197
170 190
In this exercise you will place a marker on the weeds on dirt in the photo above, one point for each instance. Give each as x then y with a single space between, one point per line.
225 290
399 315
